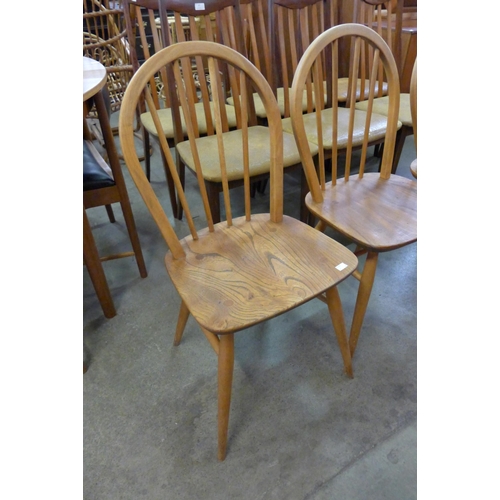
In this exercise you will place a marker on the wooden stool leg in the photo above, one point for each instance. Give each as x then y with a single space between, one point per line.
225 381
364 291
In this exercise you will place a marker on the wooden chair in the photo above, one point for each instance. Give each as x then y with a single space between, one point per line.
103 186
245 270
386 19
413 107
376 211
143 31
220 21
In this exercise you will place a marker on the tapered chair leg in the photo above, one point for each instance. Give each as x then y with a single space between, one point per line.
364 291
337 315
225 381
181 323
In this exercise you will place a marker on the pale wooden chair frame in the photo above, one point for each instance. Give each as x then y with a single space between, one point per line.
376 211
253 244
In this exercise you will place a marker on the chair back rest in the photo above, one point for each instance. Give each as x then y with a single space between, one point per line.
295 24
218 58
360 126
386 18
213 20
256 35
142 22
413 100
105 40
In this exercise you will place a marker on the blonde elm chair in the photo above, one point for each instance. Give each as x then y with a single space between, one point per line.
247 269
376 211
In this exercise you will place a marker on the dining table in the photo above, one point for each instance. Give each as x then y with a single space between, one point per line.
94 86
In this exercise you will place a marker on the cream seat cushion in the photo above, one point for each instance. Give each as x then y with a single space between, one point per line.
343 85
165 116
259 153
377 131
381 104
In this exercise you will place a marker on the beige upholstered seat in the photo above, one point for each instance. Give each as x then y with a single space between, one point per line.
378 125
259 154
167 123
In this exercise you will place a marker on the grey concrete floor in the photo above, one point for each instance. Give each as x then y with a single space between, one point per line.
299 428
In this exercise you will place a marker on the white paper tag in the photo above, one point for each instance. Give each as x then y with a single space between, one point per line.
199 6
341 266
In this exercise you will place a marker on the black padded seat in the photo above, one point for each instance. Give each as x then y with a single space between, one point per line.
96 174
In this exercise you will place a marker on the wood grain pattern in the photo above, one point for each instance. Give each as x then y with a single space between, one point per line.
240 275
375 213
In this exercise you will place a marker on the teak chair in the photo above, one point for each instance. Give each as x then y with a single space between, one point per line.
413 108
241 272
376 211
223 16
386 19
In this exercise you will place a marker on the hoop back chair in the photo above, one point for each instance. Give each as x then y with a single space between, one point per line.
375 210
247 269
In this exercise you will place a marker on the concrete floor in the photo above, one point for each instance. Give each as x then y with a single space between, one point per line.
299 428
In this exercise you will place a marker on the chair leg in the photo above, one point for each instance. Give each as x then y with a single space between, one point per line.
181 323
225 381
401 136
364 291
134 237
337 315
95 270
111 215
171 186
214 200
181 170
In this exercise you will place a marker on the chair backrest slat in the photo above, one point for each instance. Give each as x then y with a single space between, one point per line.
350 129
217 56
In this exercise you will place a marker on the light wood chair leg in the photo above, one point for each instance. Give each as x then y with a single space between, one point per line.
337 315
181 323
225 381
364 291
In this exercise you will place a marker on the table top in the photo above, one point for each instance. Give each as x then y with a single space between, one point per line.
94 77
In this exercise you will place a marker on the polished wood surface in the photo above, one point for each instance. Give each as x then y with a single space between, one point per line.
249 268
376 211
94 77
